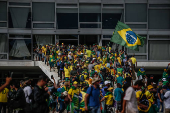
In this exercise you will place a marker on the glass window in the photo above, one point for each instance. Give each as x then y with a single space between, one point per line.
107 36
88 39
3 24
159 19
110 18
67 18
137 26
67 42
90 25
3 11
136 12
43 11
43 25
19 49
140 57
159 50
141 49
3 43
90 13
43 39
19 17
68 37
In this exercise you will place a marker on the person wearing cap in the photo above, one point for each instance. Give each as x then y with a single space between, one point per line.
109 100
104 91
92 97
73 90
149 94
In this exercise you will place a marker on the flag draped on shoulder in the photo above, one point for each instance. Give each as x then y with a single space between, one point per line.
124 36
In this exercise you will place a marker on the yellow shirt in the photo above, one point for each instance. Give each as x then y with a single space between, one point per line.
88 52
45 51
147 93
67 72
3 95
42 49
119 60
109 99
72 91
133 60
97 68
138 94
149 96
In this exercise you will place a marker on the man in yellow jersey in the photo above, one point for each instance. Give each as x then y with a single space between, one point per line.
133 61
3 99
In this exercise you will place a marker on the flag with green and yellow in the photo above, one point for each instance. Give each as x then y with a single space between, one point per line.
124 36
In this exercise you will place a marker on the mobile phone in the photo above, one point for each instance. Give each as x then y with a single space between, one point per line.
52 77
11 74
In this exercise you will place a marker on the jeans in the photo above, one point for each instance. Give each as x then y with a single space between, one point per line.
57 106
3 105
62 106
94 109
158 104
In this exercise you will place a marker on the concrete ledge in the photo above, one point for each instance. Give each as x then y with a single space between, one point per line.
152 64
16 63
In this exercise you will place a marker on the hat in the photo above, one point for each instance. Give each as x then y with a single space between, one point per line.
75 82
50 83
150 87
95 79
107 82
110 88
151 76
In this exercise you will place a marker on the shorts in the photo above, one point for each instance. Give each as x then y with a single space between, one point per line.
118 105
42 55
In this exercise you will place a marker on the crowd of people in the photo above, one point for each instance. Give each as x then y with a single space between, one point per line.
95 79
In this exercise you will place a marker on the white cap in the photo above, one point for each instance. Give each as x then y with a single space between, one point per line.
107 82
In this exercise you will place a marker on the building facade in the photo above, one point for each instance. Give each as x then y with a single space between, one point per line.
25 23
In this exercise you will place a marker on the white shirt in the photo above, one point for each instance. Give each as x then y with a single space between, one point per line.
167 101
27 91
131 101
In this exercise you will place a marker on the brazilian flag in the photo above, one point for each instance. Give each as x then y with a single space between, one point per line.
124 36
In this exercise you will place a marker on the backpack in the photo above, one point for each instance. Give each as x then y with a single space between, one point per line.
144 100
82 78
48 52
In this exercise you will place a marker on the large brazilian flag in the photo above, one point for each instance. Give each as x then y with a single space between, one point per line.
124 36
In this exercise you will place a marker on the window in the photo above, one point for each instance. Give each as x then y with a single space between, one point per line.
90 13
19 17
44 39
110 17
3 11
136 12
159 19
3 14
3 46
159 50
19 49
88 39
67 18
43 11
